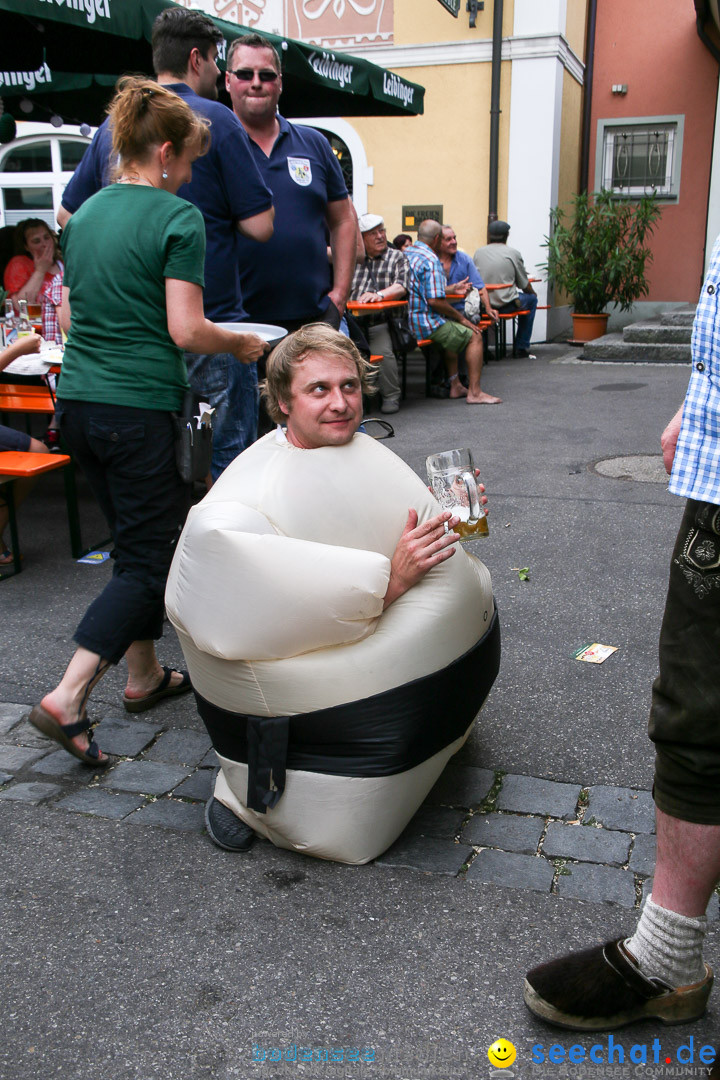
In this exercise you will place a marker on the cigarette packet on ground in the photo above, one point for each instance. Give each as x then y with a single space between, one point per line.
594 653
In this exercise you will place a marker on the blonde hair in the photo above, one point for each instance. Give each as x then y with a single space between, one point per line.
144 114
292 350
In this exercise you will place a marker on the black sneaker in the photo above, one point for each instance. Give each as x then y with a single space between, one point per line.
226 830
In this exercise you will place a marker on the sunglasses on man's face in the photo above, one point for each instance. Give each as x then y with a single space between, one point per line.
247 75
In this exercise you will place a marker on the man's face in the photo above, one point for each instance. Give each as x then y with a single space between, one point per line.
375 241
448 243
253 99
325 406
208 74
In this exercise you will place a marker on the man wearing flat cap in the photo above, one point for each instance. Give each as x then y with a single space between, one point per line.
382 275
500 264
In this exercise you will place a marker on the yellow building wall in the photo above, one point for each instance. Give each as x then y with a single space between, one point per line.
442 156
575 26
420 22
570 139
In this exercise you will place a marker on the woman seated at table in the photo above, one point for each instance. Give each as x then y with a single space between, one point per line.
28 276
132 302
12 439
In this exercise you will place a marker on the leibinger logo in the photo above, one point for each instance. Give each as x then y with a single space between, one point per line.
326 65
395 87
28 79
93 8
613 1052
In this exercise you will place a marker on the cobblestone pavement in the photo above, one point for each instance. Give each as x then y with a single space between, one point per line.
580 840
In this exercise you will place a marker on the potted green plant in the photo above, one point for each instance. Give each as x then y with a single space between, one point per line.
597 255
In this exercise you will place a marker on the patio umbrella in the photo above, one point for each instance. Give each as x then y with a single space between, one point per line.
63 57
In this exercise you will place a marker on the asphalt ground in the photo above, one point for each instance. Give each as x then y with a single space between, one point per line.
134 953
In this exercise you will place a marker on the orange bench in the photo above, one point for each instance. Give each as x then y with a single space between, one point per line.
18 465
485 323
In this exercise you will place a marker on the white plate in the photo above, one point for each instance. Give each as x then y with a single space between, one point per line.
266 331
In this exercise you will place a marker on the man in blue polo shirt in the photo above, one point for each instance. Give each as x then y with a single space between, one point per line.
233 199
290 280
461 273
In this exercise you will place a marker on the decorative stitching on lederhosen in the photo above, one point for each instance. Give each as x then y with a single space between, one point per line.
699 560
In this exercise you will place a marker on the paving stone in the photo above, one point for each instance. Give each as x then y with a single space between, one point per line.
25 734
642 859
4 777
622 808
589 882
512 870
438 821
171 815
586 844
30 792
145 777
511 832
198 786
461 785
10 715
126 738
99 803
427 853
210 761
60 763
180 747
530 795
15 758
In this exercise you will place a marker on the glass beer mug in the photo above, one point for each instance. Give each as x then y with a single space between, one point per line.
452 478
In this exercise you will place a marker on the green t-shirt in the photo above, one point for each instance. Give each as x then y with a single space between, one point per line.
119 248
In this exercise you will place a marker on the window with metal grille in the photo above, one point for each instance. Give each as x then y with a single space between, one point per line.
641 158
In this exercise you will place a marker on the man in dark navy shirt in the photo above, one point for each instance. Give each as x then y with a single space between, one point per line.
290 280
233 199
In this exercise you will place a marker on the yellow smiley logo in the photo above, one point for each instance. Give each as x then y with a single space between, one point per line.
502 1053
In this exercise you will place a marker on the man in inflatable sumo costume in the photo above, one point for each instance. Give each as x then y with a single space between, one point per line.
338 653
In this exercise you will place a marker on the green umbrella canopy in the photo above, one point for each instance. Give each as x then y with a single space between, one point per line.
63 56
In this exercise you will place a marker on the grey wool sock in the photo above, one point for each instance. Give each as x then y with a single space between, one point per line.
669 946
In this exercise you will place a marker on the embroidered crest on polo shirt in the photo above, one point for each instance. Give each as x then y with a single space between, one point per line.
300 170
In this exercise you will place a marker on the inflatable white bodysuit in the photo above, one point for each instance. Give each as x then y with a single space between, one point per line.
276 592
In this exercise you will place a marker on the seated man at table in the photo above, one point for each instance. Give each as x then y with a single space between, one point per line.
501 264
382 275
432 316
461 274
321 699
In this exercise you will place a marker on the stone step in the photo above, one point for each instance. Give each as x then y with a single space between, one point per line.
679 316
658 333
612 347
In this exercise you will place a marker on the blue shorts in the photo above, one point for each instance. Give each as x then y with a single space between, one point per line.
10 439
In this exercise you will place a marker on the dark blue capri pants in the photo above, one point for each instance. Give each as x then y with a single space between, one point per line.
685 713
128 457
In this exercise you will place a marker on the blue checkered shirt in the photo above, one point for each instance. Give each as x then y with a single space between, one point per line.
427 282
696 468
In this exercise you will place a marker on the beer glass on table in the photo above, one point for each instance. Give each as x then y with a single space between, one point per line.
452 479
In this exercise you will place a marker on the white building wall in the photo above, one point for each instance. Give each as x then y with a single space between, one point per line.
535 127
